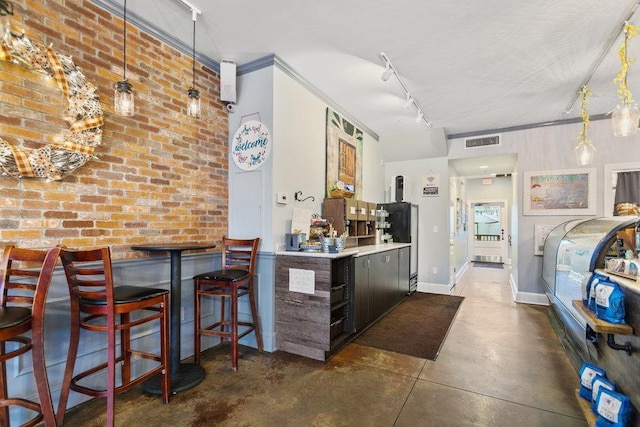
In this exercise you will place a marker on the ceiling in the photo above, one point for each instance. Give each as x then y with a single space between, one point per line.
473 66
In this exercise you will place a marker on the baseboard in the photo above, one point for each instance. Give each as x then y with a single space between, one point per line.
527 297
435 288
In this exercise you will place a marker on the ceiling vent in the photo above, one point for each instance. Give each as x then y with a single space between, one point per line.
482 141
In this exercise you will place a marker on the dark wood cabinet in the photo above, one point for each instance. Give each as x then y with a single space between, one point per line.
361 293
345 295
317 323
377 285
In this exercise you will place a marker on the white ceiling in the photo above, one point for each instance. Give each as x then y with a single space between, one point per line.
473 66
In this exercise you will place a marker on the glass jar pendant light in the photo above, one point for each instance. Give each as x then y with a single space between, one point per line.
625 119
193 100
123 99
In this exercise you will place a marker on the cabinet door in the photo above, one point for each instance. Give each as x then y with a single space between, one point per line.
350 209
391 282
378 276
404 271
361 292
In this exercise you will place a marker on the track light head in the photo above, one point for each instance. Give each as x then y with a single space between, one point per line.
420 117
409 101
386 74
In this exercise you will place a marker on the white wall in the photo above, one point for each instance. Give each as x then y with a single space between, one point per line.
300 154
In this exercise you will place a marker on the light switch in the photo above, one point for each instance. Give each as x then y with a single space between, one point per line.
435 228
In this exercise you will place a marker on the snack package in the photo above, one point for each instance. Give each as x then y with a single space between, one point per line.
609 302
588 372
599 381
614 409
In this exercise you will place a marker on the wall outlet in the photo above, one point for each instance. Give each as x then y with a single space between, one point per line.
435 270
281 198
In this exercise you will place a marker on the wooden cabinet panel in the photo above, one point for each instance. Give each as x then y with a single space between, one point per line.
309 324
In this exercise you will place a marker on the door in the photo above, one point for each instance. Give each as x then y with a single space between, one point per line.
488 225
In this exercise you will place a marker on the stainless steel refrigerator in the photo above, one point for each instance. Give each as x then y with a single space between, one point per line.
403 217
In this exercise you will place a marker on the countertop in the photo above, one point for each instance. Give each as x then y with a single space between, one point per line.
355 252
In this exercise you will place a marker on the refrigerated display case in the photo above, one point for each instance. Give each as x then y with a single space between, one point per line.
572 252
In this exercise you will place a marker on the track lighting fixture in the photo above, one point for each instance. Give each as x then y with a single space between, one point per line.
389 70
123 99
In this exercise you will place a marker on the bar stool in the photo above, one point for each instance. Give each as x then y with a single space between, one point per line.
96 305
23 295
233 280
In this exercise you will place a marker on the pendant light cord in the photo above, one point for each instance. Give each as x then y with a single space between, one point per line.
124 48
193 55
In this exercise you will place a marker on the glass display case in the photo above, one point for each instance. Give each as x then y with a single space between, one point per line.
572 252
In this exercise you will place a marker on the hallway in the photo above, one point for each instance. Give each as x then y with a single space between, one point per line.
501 365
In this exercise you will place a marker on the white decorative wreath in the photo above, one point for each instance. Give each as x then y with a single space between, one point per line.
71 149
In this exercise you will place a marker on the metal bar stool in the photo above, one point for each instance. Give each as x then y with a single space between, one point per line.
25 276
233 280
97 305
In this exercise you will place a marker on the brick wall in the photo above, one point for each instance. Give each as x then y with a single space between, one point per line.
159 175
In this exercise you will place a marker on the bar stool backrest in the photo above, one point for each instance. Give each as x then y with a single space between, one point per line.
240 253
25 275
89 273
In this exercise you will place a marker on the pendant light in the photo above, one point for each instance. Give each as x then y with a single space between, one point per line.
585 151
193 100
624 119
124 102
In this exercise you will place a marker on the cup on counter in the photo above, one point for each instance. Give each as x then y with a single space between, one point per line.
294 240
327 242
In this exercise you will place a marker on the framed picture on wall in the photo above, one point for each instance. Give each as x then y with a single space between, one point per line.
559 192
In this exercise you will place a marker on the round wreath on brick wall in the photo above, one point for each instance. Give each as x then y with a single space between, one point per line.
72 148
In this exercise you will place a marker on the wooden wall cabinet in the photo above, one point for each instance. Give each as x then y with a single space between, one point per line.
354 217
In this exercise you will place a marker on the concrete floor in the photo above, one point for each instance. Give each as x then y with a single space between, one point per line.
501 365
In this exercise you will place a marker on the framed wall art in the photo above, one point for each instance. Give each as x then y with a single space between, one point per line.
559 192
344 157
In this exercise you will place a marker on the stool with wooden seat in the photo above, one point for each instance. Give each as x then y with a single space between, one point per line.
98 305
234 280
25 276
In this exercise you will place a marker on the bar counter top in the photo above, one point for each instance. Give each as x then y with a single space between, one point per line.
355 251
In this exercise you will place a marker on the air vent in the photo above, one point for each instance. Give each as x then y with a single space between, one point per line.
482 142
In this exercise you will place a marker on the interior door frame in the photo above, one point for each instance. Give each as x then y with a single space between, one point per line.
504 223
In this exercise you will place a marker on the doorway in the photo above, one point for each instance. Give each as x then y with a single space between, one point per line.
488 222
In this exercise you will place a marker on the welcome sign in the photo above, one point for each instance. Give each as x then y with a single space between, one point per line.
251 145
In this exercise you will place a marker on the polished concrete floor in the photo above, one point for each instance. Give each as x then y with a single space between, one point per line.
501 365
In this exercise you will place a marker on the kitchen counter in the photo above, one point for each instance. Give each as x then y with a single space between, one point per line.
355 252
322 300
